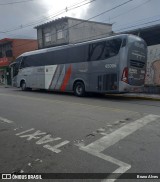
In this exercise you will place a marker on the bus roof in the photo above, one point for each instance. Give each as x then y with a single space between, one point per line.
70 45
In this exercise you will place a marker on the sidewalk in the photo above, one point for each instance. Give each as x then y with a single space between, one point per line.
5 86
145 96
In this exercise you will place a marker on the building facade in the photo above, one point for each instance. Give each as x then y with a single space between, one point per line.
10 49
69 30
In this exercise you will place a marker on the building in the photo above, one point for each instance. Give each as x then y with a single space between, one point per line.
10 49
69 30
151 35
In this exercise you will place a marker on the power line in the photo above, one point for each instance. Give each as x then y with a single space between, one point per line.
74 6
88 19
151 17
82 40
104 33
61 12
110 34
16 2
79 40
136 23
66 10
139 24
131 9
109 10
120 29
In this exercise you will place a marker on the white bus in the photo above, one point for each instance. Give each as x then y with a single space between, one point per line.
114 64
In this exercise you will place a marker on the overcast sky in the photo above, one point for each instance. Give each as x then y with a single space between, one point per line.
19 17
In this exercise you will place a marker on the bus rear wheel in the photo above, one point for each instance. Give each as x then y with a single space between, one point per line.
79 89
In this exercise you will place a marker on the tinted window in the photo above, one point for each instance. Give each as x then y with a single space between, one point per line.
9 53
124 42
77 54
104 50
16 66
33 60
80 53
48 58
15 69
57 57
18 61
96 51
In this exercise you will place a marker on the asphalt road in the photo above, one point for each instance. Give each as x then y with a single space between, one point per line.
46 132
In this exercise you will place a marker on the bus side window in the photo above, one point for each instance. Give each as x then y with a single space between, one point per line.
22 64
95 51
124 42
15 66
15 69
112 47
104 50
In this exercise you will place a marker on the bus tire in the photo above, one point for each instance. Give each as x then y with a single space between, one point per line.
23 86
79 89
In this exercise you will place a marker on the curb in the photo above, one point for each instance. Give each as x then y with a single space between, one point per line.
6 86
114 95
134 97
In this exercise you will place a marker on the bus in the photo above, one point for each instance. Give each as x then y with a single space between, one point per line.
115 64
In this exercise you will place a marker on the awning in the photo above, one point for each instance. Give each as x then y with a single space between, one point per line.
4 62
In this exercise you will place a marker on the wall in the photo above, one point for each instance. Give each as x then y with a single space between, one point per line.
52 30
40 38
153 66
74 30
87 30
18 46
23 45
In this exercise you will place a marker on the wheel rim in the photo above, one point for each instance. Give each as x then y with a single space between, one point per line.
79 89
23 86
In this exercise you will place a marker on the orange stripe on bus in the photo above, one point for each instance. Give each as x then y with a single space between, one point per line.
66 79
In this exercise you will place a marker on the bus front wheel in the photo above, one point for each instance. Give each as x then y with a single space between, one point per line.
79 89
23 86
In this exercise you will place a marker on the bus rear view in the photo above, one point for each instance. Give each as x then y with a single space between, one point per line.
133 75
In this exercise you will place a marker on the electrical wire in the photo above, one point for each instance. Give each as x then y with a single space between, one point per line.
74 6
157 16
106 11
139 25
106 33
131 9
16 2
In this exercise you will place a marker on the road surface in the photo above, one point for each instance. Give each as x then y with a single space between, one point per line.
89 138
